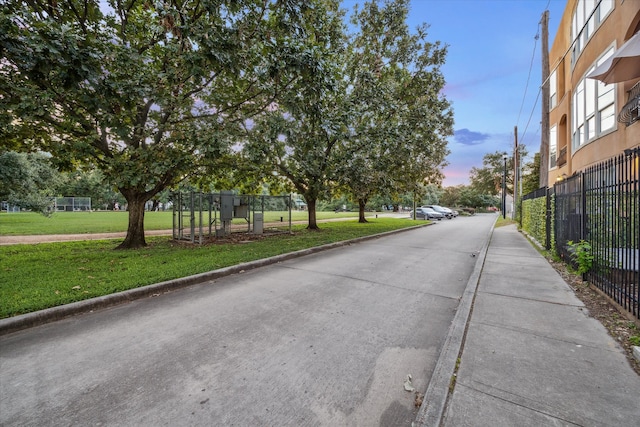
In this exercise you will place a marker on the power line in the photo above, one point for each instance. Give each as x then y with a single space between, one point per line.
558 61
521 137
533 55
535 104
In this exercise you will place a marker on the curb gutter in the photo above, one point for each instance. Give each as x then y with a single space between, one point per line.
436 396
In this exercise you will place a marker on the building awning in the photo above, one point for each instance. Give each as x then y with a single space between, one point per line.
623 65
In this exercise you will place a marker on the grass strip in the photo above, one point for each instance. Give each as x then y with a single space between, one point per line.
30 223
502 222
35 277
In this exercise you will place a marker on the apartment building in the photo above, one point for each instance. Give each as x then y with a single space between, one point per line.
591 121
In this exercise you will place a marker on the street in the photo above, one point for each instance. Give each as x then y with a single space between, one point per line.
326 339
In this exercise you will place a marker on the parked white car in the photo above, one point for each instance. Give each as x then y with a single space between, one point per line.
448 213
426 213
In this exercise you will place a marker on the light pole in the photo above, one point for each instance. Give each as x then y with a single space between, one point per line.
504 188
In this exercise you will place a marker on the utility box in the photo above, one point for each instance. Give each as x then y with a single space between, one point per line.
258 223
240 211
226 205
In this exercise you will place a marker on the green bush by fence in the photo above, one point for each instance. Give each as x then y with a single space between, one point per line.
534 218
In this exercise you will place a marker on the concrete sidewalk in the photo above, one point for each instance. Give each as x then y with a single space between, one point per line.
532 356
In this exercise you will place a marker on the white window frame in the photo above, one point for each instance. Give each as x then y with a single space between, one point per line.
580 32
553 147
553 90
593 108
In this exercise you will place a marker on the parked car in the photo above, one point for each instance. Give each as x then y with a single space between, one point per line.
452 213
448 213
427 213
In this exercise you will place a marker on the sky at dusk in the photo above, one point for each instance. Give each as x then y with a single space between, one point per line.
490 57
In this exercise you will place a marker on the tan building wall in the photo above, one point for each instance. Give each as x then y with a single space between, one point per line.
620 23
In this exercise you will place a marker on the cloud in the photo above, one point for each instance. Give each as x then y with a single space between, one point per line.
468 137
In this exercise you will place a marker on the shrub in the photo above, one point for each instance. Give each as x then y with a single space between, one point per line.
581 255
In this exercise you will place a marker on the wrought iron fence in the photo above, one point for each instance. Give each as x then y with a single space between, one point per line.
601 206
612 228
540 192
569 214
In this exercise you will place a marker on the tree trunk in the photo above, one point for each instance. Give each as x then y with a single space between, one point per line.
135 230
361 205
311 206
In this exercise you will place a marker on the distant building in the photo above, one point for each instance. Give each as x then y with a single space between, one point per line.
591 121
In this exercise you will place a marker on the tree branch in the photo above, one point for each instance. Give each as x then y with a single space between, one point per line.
81 19
199 88
141 120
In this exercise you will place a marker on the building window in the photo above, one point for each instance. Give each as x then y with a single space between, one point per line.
593 108
587 17
553 146
553 90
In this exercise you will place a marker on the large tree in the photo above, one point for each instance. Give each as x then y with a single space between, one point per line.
451 195
144 90
297 137
471 197
28 180
531 175
488 178
400 117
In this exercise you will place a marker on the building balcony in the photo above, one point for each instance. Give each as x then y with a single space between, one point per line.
630 113
562 156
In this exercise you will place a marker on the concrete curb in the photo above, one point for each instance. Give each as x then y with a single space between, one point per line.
435 398
29 320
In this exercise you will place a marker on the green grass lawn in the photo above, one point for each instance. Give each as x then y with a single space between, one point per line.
501 222
29 223
35 277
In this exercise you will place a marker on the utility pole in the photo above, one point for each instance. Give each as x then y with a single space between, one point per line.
544 140
516 178
504 187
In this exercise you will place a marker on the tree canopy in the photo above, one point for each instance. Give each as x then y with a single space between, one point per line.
376 122
531 175
400 119
145 91
296 138
153 93
28 180
488 179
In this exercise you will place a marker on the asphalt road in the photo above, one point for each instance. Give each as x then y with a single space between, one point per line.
323 340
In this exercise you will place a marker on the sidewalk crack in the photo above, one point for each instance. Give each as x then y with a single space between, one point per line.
533 299
535 334
520 401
